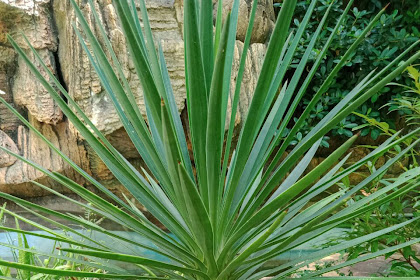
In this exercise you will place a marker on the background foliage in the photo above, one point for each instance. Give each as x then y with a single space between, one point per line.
397 28
407 261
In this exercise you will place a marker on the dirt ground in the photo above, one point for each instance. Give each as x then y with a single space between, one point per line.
373 267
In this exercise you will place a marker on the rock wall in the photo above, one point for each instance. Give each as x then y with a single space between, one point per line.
48 26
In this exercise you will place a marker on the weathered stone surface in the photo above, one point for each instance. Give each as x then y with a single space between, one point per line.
28 92
253 64
84 86
6 142
8 121
264 19
29 7
83 83
358 153
16 177
32 18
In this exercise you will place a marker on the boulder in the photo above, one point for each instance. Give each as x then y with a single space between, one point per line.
264 19
16 177
31 94
8 121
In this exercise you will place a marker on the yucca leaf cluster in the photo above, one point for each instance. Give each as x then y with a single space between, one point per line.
232 206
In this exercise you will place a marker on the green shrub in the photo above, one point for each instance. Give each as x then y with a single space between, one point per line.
410 105
397 29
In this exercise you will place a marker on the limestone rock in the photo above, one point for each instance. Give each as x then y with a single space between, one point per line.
83 83
253 65
7 142
264 19
29 92
32 18
16 177
8 121
30 7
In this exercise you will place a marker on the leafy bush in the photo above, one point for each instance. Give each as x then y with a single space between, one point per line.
397 29
228 212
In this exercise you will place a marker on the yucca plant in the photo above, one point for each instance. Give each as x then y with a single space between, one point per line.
230 208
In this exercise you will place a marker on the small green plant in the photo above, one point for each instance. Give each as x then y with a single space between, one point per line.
405 262
26 256
228 209
409 104
56 260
